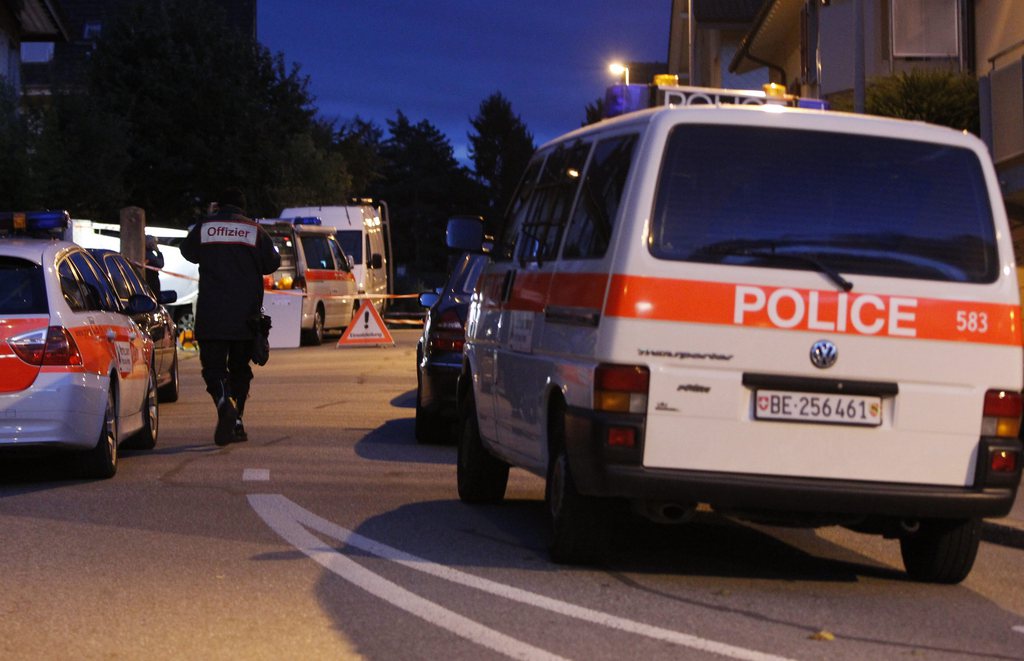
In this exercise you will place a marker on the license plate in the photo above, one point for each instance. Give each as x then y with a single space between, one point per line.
817 407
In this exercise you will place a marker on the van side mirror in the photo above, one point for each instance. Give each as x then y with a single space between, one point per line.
376 261
167 296
465 233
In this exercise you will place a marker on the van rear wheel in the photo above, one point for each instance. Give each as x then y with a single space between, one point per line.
579 525
941 550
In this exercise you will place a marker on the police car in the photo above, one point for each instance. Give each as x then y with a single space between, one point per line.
314 266
76 373
790 315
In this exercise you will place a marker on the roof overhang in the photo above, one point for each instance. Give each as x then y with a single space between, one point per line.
39 20
771 38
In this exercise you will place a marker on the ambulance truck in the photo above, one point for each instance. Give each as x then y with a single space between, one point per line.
791 316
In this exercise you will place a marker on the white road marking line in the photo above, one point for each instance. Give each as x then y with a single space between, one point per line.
276 509
256 475
281 515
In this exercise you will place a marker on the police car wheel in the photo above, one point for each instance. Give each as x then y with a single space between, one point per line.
429 427
482 477
169 391
579 526
145 439
101 461
941 551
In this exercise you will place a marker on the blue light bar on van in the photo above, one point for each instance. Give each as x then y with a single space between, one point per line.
306 220
33 221
620 99
812 104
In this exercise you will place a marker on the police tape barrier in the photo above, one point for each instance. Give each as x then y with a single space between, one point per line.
288 292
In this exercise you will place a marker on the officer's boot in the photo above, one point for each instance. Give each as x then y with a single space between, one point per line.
226 414
240 435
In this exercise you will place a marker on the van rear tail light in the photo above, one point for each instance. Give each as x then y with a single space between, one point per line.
1001 415
1003 461
621 388
47 346
447 333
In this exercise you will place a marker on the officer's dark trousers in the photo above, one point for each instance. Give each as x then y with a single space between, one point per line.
226 362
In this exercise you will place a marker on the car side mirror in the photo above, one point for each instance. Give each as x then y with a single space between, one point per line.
465 233
428 298
140 304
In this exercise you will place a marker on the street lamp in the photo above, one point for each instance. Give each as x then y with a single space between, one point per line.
618 69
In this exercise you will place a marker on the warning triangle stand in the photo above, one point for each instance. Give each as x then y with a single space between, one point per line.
366 329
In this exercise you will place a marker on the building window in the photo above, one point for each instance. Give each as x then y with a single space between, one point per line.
925 28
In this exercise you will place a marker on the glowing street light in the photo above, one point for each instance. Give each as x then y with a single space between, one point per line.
619 69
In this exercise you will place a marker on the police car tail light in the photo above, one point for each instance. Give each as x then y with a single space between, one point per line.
447 333
621 388
1001 415
47 346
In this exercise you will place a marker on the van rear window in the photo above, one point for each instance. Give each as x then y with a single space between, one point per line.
806 199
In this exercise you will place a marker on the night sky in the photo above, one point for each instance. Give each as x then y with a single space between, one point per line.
437 60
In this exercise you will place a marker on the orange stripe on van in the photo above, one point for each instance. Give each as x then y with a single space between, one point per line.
812 310
326 275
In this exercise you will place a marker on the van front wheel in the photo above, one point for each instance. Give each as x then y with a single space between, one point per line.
940 550
482 477
315 335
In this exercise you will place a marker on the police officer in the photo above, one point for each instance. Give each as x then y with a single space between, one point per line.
233 253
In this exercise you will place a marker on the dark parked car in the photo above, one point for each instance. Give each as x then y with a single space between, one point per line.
158 325
439 351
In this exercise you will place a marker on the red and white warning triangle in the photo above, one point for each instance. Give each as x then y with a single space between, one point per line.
366 328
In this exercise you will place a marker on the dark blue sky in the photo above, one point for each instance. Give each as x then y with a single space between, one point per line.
438 59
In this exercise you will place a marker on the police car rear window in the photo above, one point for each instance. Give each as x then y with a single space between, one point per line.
22 289
805 199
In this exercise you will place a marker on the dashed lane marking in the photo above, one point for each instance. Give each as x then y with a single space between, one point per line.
290 522
256 475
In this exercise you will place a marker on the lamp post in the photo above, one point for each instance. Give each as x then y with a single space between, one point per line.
619 70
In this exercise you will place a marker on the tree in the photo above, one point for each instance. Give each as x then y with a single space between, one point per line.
941 97
81 156
359 143
500 149
17 189
594 112
205 107
423 184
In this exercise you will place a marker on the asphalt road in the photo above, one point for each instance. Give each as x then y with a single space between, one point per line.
333 535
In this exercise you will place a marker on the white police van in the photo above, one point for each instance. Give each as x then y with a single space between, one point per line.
793 316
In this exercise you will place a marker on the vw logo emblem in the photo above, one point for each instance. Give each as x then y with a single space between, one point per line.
824 354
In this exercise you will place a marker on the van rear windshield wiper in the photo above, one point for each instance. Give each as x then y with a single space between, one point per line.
768 252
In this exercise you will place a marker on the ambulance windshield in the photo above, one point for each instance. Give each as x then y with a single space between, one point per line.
832 202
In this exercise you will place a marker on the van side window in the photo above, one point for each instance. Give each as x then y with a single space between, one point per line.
318 253
600 195
553 200
517 210
339 257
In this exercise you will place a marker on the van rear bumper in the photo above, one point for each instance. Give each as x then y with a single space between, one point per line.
611 472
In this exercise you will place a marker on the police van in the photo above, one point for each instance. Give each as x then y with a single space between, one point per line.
364 233
313 266
793 316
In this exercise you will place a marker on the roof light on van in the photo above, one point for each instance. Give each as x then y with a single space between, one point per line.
306 220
